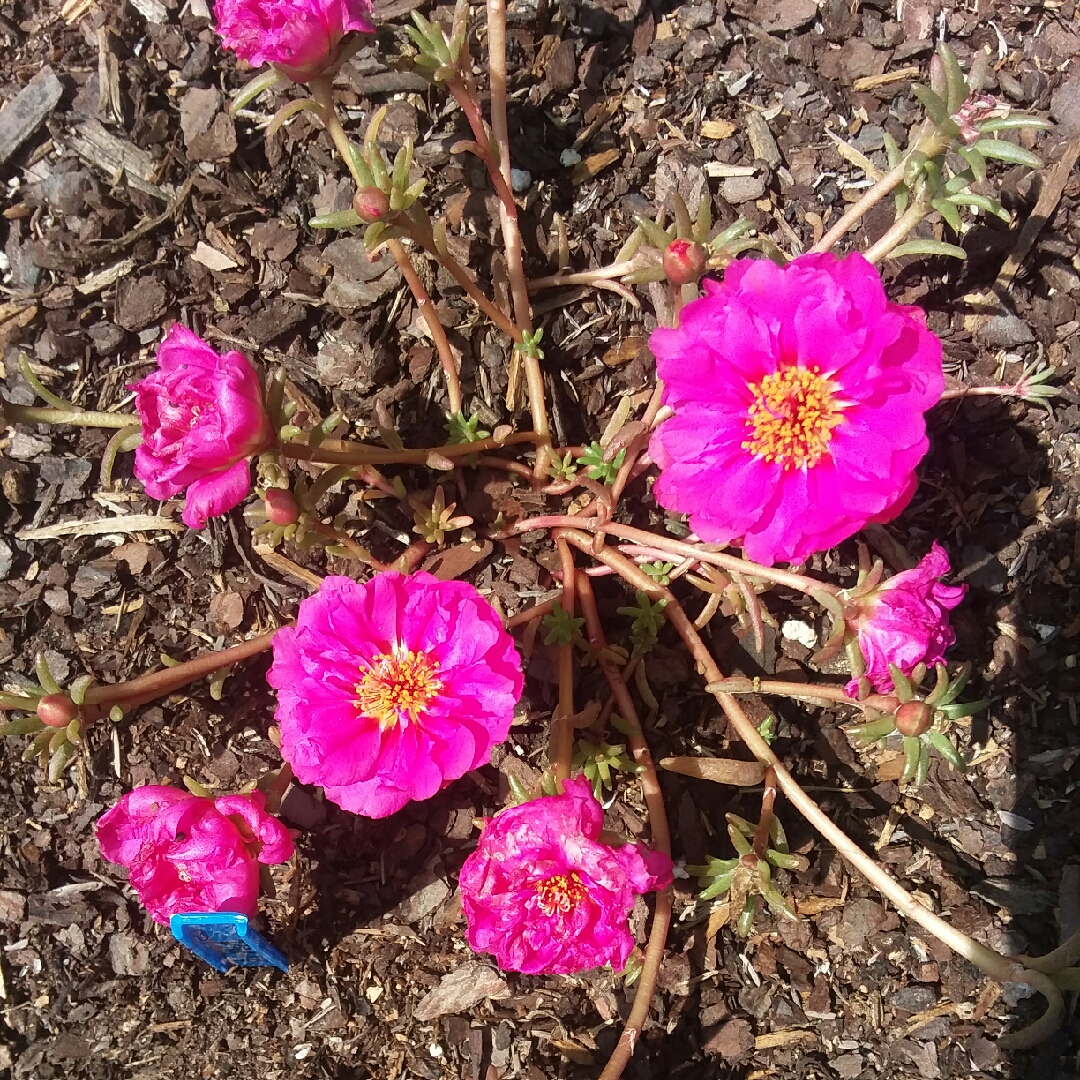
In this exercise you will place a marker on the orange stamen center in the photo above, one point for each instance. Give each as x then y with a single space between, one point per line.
397 687
792 417
559 894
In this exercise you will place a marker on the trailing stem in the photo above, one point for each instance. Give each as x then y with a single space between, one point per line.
356 454
434 324
897 232
698 553
658 823
562 728
991 963
10 413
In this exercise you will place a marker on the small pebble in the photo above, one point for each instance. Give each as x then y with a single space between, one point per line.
569 158
520 180
742 189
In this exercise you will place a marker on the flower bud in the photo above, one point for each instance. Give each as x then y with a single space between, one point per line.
371 204
914 718
281 507
684 262
56 710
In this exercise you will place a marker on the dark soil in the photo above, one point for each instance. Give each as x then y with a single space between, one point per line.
368 915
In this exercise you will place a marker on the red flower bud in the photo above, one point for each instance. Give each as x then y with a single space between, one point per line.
56 710
281 507
371 204
914 718
684 262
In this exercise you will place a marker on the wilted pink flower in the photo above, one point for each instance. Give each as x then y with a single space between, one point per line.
186 853
299 37
543 893
905 620
202 418
799 395
389 690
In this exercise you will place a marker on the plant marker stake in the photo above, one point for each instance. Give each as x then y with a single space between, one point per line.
225 939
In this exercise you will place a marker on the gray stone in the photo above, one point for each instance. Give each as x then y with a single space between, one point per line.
742 189
697 16
1065 108
1004 331
647 70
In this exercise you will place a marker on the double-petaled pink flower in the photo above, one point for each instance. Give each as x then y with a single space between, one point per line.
301 38
799 395
905 620
546 896
202 418
389 690
185 853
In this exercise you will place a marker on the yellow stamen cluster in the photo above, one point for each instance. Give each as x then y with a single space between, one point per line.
397 687
792 418
559 894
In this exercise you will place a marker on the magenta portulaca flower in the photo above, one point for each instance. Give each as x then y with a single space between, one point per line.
799 395
389 690
301 38
905 621
202 418
545 896
185 853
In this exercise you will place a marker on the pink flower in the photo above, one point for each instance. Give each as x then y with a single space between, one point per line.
389 690
186 853
799 395
202 418
905 621
543 893
299 37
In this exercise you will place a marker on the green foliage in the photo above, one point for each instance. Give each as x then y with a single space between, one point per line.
529 345
648 618
659 571
562 628
597 760
599 469
561 468
465 430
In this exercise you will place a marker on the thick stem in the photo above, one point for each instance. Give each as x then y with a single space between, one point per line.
768 802
322 95
658 823
562 727
497 160
158 683
357 454
515 269
993 964
799 582
10 413
897 233
434 324
462 277
583 277
854 214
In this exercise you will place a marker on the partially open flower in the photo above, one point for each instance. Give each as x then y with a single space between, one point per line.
371 204
186 853
905 621
281 507
389 690
798 395
202 418
684 262
545 895
301 38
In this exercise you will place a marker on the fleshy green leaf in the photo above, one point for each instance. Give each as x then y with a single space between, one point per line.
1008 152
927 247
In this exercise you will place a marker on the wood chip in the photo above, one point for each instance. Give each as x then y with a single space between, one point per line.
872 82
211 258
815 905
855 157
26 112
593 164
761 140
284 565
104 278
133 523
1049 195
717 129
118 158
719 168
774 1039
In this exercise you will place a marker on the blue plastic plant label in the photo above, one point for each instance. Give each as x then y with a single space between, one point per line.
224 940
